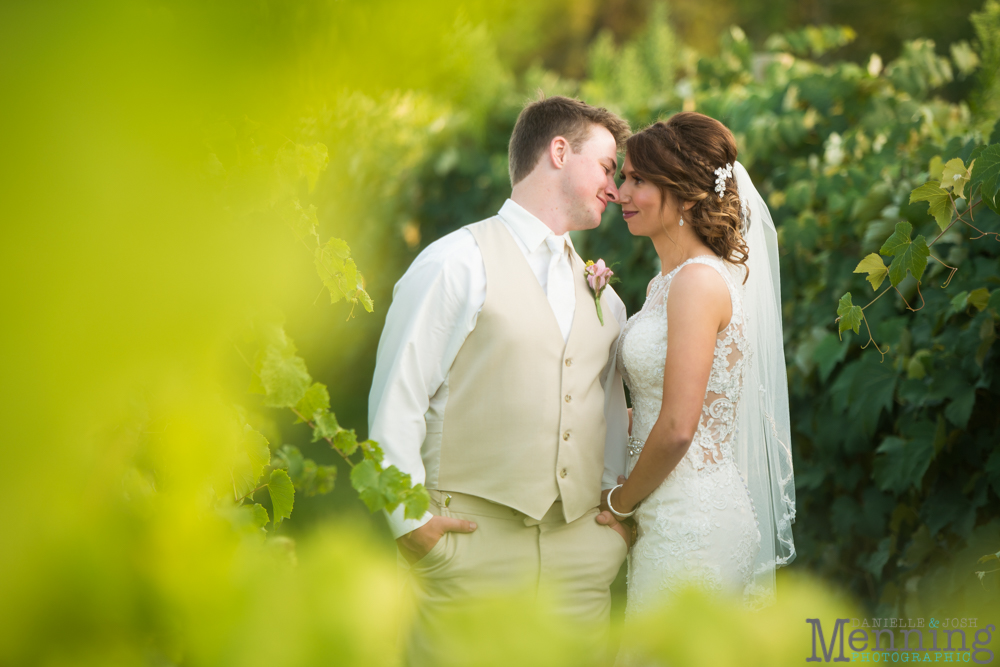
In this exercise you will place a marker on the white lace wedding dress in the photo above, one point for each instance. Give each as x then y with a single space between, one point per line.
699 527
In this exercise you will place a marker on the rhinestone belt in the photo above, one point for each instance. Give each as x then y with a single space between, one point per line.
635 446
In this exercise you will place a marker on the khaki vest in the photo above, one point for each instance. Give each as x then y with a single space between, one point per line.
524 422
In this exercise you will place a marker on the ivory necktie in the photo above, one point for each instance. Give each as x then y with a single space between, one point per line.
560 290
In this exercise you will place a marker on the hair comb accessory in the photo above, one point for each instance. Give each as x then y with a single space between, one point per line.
722 174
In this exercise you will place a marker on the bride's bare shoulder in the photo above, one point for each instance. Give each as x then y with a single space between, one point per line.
701 287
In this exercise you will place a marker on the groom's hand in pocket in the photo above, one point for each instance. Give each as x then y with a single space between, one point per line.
416 544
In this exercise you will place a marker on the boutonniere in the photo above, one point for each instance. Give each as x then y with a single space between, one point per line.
599 275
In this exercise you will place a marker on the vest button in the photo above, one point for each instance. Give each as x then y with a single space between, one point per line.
566 435
568 398
569 362
563 472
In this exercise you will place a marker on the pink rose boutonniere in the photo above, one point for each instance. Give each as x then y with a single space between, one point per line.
599 275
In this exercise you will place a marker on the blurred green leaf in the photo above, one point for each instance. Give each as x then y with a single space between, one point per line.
256 447
346 441
365 480
901 463
979 298
315 399
416 501
282 495
325 426
283 376
260 517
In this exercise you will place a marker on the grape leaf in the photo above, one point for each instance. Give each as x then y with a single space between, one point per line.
916 368
346 441
955 175
323 482
979 298
850 315
312 161
255 446
307 477
965 57
337 271
260 517
871 391
940 203
959 302
875 268
393 485
416 502
366 301
316 398
875 562
289 458
900 463
935 168
830 352
324 425
243 480
907 254
303 221
365 480
283 375
282 495
372 451
963 398
986 175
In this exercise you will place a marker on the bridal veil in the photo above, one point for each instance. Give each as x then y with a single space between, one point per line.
763 440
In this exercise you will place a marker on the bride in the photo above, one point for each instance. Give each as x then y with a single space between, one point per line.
709 460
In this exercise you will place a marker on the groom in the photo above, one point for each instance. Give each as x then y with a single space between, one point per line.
495 385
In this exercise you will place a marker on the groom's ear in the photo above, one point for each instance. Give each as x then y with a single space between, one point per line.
559 149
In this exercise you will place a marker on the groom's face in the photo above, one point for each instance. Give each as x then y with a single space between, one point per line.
589 178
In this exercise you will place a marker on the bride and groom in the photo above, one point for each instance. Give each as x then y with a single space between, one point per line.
499 386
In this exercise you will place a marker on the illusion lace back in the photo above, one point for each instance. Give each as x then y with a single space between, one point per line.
699 527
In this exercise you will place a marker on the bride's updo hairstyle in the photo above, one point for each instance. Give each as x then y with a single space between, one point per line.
680 156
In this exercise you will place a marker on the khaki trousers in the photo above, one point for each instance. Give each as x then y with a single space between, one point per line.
509 551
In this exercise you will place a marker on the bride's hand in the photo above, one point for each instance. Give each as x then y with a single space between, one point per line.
606 518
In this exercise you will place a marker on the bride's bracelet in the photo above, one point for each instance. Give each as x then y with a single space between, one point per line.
620 515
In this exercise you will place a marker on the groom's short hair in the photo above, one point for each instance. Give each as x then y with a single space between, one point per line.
543 120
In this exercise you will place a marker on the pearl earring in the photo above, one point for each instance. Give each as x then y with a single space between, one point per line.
682 222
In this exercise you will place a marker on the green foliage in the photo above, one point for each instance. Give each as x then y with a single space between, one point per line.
279 486
909 255
849 314
986 175
379 487
876 269
937 197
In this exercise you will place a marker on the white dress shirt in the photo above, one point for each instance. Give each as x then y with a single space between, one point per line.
434 308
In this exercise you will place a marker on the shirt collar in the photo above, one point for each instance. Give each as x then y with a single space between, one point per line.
527 227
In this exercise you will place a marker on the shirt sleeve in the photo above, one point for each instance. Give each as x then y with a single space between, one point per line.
615 410
434 307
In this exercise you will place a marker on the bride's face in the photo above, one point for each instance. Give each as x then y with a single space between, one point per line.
644 207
